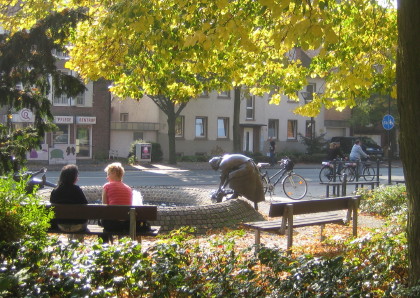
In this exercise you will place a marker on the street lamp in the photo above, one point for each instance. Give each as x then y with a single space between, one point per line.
308 96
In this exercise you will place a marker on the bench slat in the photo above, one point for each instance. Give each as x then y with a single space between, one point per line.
98 230
97 211
297 222
312 206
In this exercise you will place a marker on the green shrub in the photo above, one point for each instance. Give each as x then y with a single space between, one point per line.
179 266
21 215
385 200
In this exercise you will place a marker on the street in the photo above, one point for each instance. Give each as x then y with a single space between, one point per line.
206 178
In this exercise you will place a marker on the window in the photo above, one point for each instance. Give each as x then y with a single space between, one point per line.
80 99
61 136
62 100
224 94
250 108
291 129
124 117
273 128
222 128
310 128
137 135
200 127
83 141
179 127
310 90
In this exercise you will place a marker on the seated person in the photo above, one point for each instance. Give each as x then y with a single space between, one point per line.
115 192
242 175
67 192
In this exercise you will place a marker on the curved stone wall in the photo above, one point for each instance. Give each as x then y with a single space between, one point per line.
193 207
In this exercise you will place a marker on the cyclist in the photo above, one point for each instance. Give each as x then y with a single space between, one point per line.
357 154
242 175
335 152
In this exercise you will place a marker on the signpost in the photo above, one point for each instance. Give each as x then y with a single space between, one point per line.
388 123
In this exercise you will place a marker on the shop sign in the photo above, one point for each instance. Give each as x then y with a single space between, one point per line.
85 120
63 119
24 115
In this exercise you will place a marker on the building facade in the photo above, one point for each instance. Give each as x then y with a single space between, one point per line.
205 125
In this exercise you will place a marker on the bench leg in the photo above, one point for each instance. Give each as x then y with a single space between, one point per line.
322 233
257 237
289 238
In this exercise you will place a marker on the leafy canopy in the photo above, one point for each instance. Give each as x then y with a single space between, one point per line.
178 48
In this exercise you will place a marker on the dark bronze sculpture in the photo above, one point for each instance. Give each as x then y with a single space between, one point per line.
242 175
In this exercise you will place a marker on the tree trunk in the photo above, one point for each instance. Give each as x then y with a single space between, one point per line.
236 117
171 137
408 78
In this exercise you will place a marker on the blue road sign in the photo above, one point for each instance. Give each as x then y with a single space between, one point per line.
388 122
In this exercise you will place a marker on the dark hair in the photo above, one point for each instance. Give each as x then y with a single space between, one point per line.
68 175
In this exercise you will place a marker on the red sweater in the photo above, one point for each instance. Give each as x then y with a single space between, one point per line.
118 193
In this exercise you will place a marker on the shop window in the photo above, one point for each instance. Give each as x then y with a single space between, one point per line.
61 136
83 141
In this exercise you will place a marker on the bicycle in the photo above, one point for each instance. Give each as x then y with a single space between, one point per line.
326 174
293 185
368 172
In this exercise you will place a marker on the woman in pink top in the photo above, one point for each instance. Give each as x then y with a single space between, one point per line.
115 192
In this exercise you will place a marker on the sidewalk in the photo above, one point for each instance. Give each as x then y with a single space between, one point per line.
99 165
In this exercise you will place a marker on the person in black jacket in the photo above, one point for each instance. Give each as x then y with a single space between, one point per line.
335 153
67 192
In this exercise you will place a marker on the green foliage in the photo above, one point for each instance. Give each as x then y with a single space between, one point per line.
29 73
315 144
385 200
22 215
179 266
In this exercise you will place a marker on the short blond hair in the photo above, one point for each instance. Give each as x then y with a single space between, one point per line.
115 168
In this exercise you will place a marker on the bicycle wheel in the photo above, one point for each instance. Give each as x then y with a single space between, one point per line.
350 172
326 174
294 186
369 173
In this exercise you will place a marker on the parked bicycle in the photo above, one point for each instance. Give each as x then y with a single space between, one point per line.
368 172
293 185
327 172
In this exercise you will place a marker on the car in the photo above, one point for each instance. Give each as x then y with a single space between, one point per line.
368 145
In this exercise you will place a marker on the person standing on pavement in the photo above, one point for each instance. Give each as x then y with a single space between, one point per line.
67 192
272 150
357 154
115 192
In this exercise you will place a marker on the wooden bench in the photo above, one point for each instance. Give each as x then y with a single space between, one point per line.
320 212
114 212
340 188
